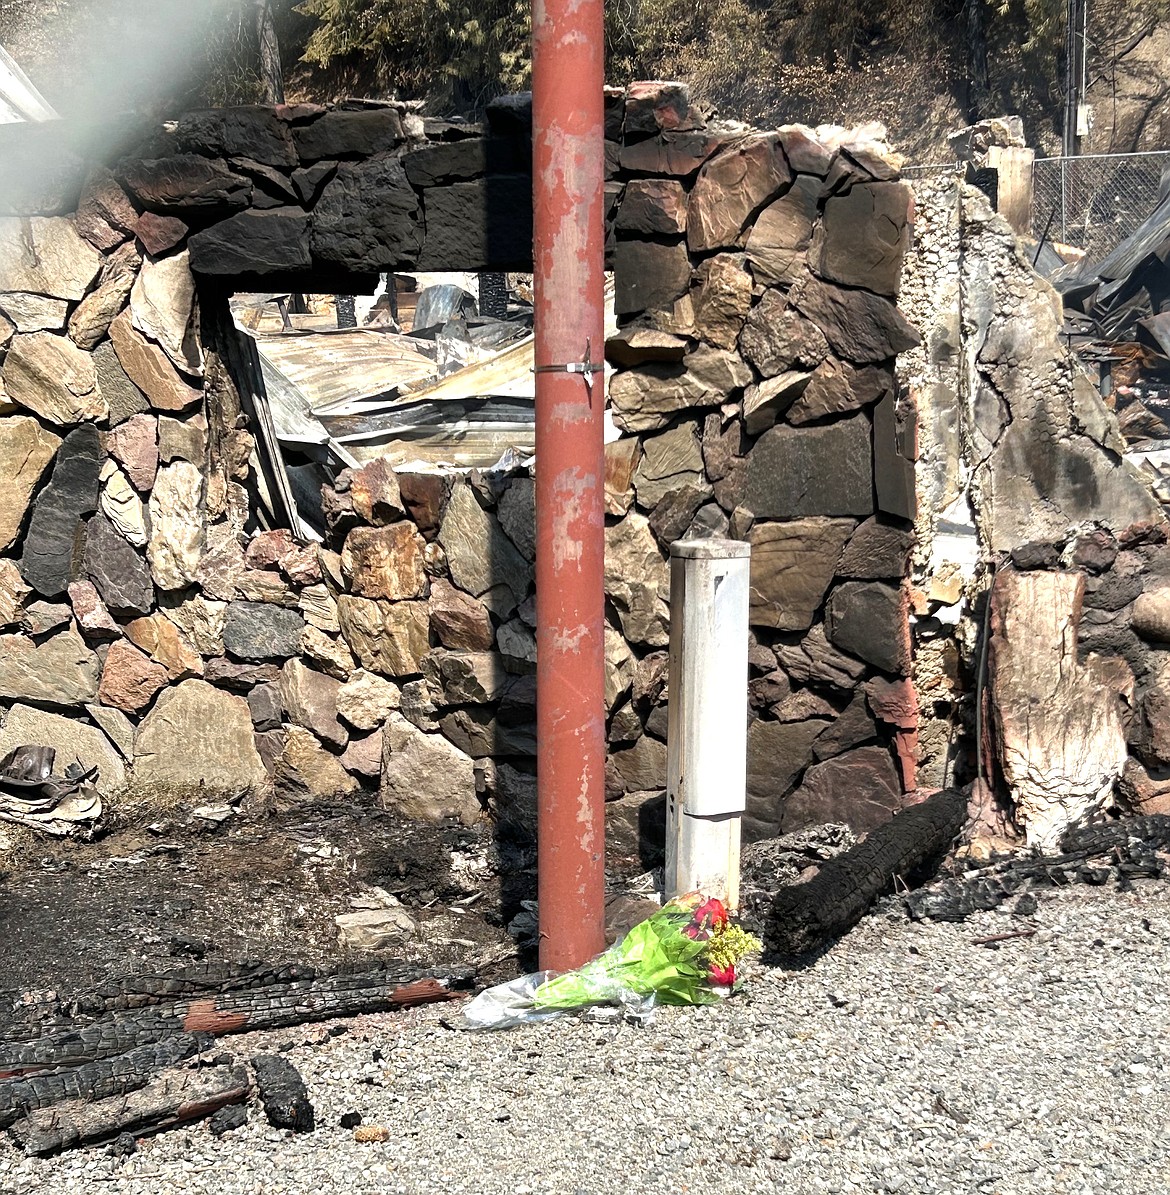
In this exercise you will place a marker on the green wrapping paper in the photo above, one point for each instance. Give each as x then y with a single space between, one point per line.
684 954
655 957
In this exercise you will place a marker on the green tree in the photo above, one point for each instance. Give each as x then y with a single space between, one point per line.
476 49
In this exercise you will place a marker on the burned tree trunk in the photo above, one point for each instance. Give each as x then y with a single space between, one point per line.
270 71
1056 721
175 1098
805 917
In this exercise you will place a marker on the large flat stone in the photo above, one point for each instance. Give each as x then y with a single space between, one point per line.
59 671
732 185
781 233
655 206
777 338
26 448
1056 719
792 565
366 700
836 388
670 460
274 241
459 161
343 133
637 580
385 562
426 777
721 297
161 640
516 511
465 677
105 216
860 789
860 327
130 679
149 368
254 131
184 182
309 699
257 631
642 767
197 739
777 752
460 621
161 304
794 472
651 395
120 574
390 638
481 225
862 237
479 554
55 543
122 396
34 313
50 375
868 619
305 771
44 255
877 551
134 443
367 215
72 740
176 525
649 275
94 314
122 506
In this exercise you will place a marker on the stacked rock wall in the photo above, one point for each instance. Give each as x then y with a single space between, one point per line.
147 624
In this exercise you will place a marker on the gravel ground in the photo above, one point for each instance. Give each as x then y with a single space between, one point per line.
906 1059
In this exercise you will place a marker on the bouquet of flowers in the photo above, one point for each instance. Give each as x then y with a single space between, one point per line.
684 954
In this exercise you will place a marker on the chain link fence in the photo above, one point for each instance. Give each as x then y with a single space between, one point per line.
1095 201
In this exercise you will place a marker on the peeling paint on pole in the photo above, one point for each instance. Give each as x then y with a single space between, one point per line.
568 181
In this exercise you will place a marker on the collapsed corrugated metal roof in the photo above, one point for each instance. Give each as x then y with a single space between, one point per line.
460 394
1117 318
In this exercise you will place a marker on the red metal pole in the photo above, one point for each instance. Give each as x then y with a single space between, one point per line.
568 178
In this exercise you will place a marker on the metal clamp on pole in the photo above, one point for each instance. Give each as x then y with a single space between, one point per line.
587 367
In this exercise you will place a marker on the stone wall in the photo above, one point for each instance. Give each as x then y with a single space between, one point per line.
149 626
1026 504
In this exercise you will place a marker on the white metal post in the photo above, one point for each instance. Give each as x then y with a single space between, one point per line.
706 766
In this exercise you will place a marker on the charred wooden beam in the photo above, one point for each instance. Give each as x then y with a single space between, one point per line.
283 1094
177 1097
227 1012
805 917
95 1080
1094 854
